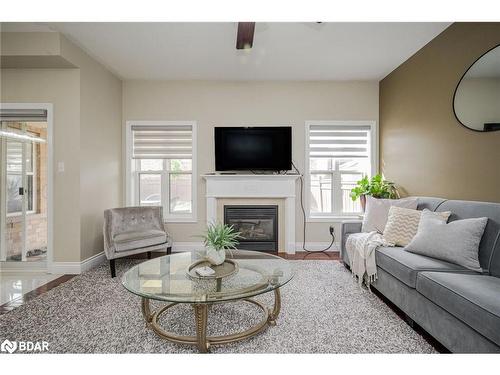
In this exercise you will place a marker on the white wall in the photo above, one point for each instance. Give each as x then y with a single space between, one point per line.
243 104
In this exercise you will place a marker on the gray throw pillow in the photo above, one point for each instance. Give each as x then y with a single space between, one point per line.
456 242
377 211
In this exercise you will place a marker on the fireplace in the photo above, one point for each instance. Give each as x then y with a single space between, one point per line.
258 225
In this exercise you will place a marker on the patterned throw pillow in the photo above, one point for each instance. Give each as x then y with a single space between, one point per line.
402 224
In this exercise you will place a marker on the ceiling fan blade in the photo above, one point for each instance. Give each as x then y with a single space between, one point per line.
244 40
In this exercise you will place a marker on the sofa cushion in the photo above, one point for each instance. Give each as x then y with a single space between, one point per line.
472 298
405 266
139 239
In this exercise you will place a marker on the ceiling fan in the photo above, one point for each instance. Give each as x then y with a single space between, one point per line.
244 40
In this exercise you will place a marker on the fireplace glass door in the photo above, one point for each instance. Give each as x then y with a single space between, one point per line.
257 224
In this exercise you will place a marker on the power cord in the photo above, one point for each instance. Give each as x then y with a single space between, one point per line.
332 230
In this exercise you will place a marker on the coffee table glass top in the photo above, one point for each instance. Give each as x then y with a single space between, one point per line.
167 279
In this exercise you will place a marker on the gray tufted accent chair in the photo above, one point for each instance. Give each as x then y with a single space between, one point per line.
134 230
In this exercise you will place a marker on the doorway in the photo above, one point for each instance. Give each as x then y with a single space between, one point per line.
25 241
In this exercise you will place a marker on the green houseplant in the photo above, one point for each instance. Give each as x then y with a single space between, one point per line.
376 187
219 238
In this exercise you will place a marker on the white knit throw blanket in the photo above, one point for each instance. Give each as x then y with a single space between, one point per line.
361 251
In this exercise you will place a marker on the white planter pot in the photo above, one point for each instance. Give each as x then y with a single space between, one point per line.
216 257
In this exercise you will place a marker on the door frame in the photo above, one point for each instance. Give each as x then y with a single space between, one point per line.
25 266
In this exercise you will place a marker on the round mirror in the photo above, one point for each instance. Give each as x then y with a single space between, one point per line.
476 102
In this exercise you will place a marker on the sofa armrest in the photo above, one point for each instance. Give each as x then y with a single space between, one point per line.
351 226
346 228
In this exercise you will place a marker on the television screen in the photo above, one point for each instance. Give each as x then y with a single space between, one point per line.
253 148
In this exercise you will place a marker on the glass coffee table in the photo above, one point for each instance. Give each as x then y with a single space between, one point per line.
173 279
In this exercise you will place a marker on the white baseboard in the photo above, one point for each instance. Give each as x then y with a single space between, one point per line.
315 246
75 268
187 246
93 261
190 246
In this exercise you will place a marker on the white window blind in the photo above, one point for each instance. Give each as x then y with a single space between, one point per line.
339 141
28 115
14 156
162 142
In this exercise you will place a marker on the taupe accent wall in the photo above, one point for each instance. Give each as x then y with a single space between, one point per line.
423 148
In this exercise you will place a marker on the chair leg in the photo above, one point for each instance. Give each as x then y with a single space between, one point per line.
169 250
149 254
112 267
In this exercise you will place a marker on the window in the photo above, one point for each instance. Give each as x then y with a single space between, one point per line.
161 167
338 154
15 186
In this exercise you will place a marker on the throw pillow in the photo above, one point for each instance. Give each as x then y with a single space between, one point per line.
402 224
456 242
377 211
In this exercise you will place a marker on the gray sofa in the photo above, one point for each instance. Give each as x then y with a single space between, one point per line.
458 307
134 230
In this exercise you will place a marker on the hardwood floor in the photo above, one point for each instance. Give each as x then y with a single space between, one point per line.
304 255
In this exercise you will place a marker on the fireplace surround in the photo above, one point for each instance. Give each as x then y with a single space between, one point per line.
245 189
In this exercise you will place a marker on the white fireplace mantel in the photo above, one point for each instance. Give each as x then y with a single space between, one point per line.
219 186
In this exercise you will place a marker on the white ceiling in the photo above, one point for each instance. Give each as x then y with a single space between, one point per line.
281 51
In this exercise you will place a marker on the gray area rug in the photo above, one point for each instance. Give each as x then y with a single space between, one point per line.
323 311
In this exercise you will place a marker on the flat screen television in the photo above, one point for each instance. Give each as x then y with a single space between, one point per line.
253 148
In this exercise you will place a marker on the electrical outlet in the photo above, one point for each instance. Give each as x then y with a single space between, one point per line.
332 230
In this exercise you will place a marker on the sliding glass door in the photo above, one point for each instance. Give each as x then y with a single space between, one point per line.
23 162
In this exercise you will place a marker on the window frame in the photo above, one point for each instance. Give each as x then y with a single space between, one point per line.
374 150
131 180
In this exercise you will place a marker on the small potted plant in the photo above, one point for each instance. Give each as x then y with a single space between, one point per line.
219 238
376 187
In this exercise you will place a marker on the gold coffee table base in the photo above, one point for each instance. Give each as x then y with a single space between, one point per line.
201 340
